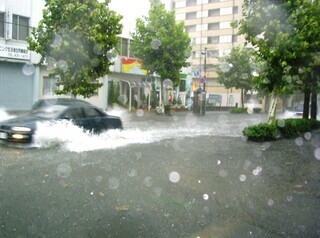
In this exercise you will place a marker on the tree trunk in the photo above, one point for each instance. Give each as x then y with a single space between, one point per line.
272 108
242 101
314 105
306 103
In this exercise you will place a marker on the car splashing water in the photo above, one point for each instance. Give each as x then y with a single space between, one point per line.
139 128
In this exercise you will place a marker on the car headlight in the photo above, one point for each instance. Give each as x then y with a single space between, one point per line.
21 128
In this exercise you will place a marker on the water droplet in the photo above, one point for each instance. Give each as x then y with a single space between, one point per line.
113 183
317 153
98 49
132 173
299 141
155 44
265 145
62 65
223 173
218 162
281 123
64 170
158 191
270 202
289 198
51 63
147 181
242 178
257 170
167 83
174 177
56 41
307 136
95 62
139 112
205 196
123 99
28 68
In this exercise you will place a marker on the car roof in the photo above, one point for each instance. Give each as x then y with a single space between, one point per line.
58 101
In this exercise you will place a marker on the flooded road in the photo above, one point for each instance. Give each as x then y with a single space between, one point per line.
177 176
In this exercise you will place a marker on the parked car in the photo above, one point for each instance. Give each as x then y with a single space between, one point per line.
86 116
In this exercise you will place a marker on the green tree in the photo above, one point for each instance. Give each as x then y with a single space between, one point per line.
281 35
111 93
75 39
236 70
161 43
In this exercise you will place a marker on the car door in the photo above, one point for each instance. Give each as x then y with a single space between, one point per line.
95 119
75 115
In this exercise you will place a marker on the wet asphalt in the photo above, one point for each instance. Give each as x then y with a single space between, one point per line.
211 185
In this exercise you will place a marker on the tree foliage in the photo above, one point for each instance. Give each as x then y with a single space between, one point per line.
236 70
285 36
75 39
161 44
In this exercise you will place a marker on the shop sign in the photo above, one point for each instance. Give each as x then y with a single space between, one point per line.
9 51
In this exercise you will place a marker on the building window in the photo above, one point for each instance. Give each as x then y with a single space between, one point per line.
214 12
234 38
49 86
235 10
212 53
191 28
225 39
124 47
1 24
20 27
213 39
213 1
213 26
191 2
191 15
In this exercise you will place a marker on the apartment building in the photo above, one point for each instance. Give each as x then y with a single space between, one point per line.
208 25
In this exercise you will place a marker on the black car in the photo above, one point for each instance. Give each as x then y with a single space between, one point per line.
86 116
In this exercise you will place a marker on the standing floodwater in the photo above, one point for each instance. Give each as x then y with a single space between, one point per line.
177 176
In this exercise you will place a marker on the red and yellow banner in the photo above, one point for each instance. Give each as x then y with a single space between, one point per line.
132 66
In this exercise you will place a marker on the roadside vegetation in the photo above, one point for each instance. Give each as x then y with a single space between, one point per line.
286 128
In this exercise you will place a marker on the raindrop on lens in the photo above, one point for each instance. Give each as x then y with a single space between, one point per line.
167 83
265 146
281 123
270 202
63 65
307 135
132 173
174 177
64 170
242 178
140 112
317 153
98 49
158 191
155 44
95 62
114 183
51 63
147 181
57 40
99 178
205 196
299 141
289 198
122 99
28 68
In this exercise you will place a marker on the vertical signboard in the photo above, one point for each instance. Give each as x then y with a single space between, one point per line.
8 24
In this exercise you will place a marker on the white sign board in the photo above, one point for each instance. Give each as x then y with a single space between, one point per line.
15 52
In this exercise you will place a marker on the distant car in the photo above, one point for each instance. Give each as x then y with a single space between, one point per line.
86 116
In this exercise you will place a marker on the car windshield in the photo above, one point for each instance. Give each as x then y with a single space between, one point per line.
49 112
159 118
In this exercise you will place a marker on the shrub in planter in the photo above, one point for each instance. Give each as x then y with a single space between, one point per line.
261 132
257 110
292 127
238 110
167 109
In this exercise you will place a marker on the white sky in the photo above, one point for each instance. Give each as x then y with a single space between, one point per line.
130 10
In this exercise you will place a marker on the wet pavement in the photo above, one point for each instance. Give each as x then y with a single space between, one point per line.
180 176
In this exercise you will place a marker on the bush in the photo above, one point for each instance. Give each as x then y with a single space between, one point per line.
238 110
257 110
261 132
287 128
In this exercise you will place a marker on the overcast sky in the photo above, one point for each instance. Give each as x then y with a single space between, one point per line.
130 10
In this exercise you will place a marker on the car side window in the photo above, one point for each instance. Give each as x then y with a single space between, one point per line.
73 113
91 112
